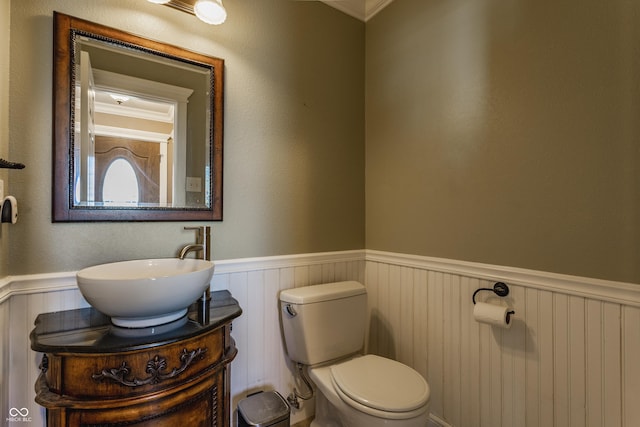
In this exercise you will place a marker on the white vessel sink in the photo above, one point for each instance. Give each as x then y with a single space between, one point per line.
147 292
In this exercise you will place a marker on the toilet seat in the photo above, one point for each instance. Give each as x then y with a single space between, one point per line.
381 387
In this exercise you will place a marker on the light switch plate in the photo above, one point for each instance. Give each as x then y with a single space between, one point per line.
194 184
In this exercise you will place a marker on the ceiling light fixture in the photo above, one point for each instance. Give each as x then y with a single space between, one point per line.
119 98
210 11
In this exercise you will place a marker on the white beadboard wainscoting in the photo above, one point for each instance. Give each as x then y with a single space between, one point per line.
260 364
571 358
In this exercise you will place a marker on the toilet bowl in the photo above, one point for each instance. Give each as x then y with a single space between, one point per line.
370 391
324 328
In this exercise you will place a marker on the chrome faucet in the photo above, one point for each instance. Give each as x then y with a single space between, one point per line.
203 248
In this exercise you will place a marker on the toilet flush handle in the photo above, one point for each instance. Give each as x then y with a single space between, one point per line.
290 310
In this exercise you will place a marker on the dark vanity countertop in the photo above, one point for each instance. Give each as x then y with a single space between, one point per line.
86 330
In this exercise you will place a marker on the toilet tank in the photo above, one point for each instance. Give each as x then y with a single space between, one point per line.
323 322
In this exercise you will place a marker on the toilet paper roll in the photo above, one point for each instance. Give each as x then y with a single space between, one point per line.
497 315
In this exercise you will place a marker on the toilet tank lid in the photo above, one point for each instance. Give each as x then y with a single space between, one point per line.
323 292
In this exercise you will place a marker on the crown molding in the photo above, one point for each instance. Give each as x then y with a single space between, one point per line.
359 9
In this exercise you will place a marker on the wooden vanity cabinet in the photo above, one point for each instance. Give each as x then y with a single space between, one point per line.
93 376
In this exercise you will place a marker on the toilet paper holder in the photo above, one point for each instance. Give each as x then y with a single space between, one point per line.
501 289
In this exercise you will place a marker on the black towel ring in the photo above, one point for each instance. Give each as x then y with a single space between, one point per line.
500 289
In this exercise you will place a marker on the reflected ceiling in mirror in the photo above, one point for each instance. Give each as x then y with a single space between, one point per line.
137 127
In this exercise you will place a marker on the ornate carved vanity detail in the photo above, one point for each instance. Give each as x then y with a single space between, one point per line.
94 374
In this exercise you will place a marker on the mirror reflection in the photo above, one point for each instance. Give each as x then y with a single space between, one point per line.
134 108
146 124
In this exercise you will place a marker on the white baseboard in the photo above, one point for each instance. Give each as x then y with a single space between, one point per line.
435 421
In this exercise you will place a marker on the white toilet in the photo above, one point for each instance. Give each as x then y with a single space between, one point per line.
324 328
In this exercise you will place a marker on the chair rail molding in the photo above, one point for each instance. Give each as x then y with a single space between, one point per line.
605 290
53 282
36 283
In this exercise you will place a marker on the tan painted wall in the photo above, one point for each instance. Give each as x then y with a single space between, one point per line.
506 133
294 133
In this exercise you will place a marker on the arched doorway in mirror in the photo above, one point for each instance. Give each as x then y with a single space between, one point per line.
145 160
120 184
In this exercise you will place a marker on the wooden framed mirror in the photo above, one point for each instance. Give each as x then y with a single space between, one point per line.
137 127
